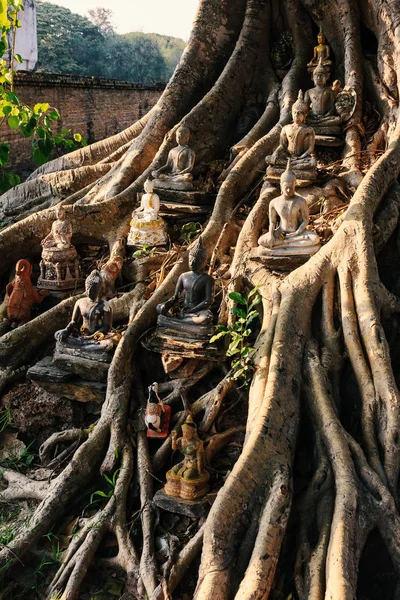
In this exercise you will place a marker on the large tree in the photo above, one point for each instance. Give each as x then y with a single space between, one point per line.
323 394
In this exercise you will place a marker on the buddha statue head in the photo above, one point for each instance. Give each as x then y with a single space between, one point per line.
197 257
148 186
94 285
321 37
320 75
189 429
182 135
288 181
60 213
299 109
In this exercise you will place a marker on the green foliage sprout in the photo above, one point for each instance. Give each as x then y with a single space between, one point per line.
242 365
144 251
111 483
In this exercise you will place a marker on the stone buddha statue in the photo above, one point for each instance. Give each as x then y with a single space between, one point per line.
60 266
188 479
297 143
22 295
323 116
321 52
88 333
176 174
187 314
288 220
147 228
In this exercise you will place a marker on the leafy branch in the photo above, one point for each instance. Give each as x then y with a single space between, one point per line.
245 312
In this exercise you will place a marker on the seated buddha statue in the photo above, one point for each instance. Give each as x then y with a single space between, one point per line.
89 329
288 220
176 174
321 98
297 143
321 52
187 313
147 228
188 479
60 266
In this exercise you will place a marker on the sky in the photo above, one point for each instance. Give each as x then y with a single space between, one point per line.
168 17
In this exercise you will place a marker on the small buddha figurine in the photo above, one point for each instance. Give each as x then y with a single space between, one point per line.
91 321
321 98
193 317
176 174
22 295
321 52
60 266
147 228
188 479
288 220
297 142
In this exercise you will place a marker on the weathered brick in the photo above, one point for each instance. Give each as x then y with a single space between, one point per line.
94 107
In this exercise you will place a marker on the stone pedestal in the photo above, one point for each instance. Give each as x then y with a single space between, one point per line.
286 263
303 178
193 508
60 270
185 206
65 384
86 364
157 340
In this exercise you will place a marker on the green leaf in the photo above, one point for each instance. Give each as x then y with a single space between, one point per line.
39 158
13 122
4 153
77 137
6 109
84 142
41 132
256 301
14 179
54 115
253 291
41 107
46 146
236 297
239 312
218 336
58 138
18 58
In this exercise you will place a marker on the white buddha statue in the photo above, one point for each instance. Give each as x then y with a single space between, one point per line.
288 220
147 228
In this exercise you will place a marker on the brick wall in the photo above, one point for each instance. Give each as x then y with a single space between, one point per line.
93 107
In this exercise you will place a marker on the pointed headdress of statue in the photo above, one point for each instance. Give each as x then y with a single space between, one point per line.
300 104
288 176
189 423
198 255
321 32
321 69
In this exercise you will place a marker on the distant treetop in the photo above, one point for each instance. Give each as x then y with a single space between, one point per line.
72 44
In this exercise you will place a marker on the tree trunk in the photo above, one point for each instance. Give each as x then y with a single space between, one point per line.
323 393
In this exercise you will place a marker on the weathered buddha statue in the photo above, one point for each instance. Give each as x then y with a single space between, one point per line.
88 333
60 266
288 220
321 52
147 228
188 479
297 142
176 174
22 295
187 313
323 116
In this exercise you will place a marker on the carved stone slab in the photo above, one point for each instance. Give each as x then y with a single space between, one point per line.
195 197
88 369
189 508
65 384
286 263
157 341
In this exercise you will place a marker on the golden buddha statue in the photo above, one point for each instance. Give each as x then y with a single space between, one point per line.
188 479
147 228
321 52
